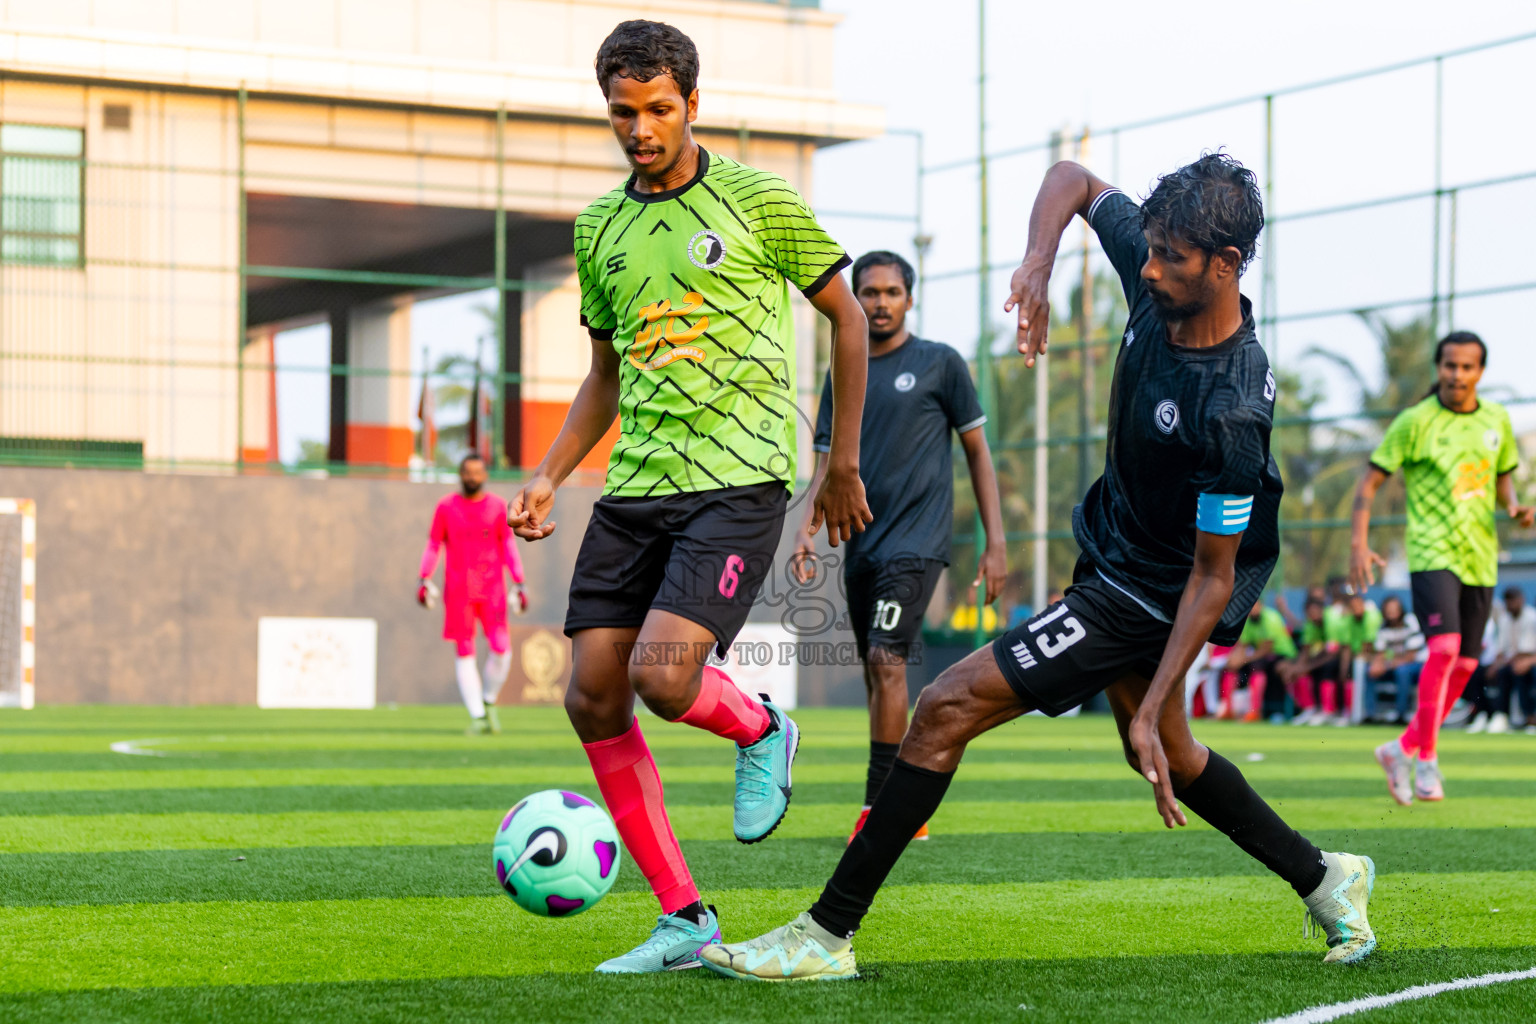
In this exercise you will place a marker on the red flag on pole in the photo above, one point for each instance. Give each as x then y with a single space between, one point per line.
426 411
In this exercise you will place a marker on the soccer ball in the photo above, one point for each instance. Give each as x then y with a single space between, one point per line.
556 853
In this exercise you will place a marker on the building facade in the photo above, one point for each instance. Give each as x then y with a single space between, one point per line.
180 180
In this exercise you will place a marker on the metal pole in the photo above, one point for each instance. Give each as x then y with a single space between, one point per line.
984 296
1434 302
1042 479
1267 310
240 288
1085 353
499 418
1450 285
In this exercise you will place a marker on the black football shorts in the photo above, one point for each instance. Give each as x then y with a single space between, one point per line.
1094 636
886 603
1444 604
702 555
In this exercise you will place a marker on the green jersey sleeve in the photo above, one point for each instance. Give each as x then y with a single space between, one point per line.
1509 450
789 233
1390 455
597 314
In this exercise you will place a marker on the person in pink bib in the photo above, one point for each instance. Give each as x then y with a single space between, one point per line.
472 525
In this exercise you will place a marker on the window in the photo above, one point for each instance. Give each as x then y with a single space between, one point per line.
41 176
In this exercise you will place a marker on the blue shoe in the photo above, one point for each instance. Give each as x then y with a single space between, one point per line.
673 946
763 782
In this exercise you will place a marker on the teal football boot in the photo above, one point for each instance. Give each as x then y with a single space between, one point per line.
763 781
1339 906
673 946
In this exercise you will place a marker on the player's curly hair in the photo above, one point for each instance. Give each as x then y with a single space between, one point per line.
1210 204
883 258
641 50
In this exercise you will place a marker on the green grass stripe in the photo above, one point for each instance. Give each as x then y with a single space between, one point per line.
246 943
361 872
809 768
283 799
1213 989
86 833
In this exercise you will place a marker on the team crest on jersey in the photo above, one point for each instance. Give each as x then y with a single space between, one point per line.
1269 385
1492 440
706 250
1166 415
906 382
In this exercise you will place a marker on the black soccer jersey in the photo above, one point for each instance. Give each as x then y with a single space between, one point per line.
1188 448
913 398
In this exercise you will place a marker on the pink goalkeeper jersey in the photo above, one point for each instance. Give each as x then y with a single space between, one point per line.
480 545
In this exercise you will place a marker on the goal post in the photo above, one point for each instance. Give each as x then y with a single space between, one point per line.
18 605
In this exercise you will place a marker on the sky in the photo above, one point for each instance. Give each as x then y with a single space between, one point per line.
1060 66
1063 67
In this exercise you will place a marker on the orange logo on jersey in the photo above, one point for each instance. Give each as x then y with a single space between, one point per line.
1472 479
663 324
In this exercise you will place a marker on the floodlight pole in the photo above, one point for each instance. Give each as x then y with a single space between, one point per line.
244 313
984 297
498 420
1434 302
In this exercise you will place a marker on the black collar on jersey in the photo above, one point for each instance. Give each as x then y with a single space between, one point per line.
671 193
1441 403
1245 332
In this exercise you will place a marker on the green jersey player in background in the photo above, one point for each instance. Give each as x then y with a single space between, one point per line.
1457 453
685 272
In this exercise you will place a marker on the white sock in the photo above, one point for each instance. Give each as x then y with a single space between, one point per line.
497 666
468 675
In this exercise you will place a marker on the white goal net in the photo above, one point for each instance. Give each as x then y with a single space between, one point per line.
18 578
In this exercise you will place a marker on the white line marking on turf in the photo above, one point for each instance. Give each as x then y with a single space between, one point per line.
1333 1011
137 747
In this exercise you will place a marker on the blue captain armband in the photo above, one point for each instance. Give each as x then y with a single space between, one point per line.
1223 513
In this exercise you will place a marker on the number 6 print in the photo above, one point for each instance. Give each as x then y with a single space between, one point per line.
1053 644
730 577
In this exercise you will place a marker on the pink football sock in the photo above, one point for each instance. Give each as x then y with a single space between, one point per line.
1330 693
1424 730
1257 681
721 708
1301 692
1461 673
631 787
1228 684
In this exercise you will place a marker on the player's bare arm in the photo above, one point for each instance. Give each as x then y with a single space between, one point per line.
1068 190
1524 515
591 414
805 542
993 568
1205 598
1362 560
839 501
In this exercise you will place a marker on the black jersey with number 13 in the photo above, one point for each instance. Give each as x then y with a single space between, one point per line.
1188 447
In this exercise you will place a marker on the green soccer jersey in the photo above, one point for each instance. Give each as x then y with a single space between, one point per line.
1356 634
1451 462
1271 627
692 287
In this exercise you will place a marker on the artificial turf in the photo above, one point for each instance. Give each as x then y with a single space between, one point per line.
274 866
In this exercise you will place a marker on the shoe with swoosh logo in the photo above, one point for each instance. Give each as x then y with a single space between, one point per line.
800 951
673 946
764 778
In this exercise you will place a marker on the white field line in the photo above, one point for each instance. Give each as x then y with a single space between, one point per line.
1333 1011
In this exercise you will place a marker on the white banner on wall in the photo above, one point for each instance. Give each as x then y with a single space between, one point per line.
316 663
761 661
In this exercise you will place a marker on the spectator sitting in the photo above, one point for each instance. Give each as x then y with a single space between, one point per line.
1354 633
1264 643
1399 650
1316 663
1514 663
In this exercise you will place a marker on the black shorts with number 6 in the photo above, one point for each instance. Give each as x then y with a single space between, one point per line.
1096 635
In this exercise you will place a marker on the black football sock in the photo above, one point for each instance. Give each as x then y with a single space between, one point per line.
694 912
881 757
907 800
1225 800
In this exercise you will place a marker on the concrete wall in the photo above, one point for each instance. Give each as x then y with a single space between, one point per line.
149 586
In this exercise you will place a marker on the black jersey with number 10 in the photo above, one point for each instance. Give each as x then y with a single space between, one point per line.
1187 449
